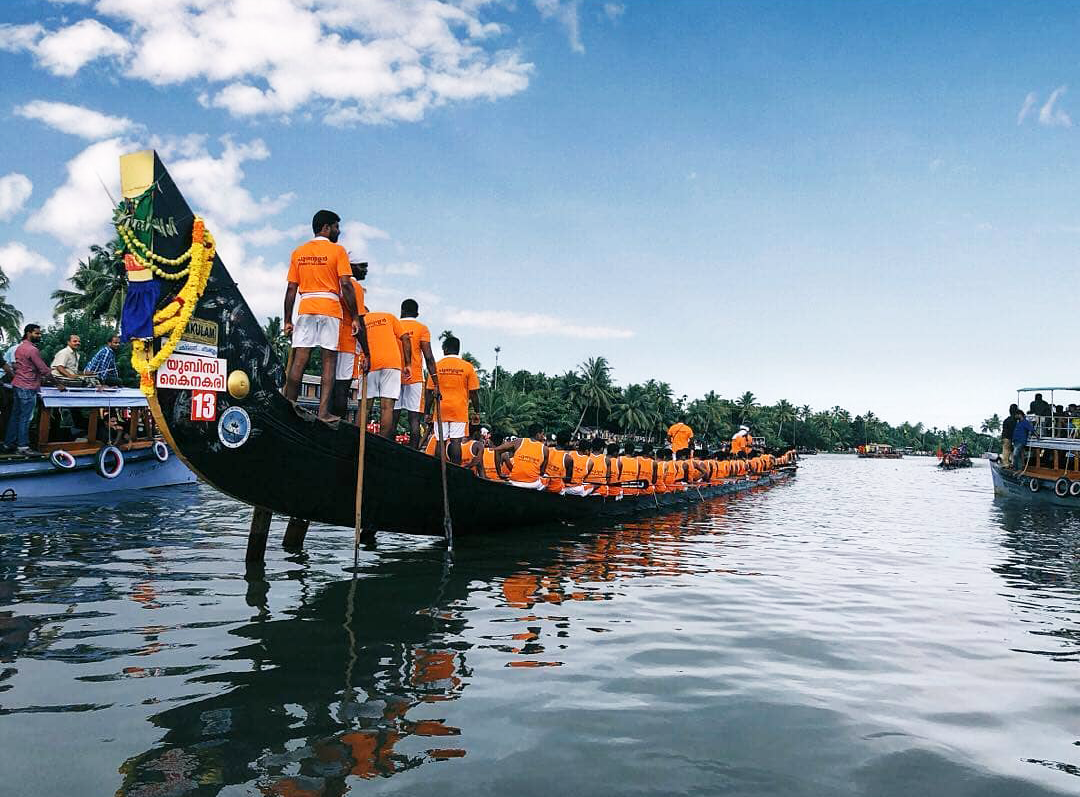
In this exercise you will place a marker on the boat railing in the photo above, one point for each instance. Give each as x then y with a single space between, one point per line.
1062 427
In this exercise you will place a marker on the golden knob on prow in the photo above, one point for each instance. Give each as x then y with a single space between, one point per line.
239 384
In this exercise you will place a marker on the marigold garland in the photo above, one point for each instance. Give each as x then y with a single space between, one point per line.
174 317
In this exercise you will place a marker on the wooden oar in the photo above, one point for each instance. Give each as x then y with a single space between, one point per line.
448 528
362 410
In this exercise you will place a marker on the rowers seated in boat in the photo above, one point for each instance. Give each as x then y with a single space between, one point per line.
575 477
493 466
528 458
560 465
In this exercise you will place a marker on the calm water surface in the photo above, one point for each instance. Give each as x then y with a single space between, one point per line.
870 628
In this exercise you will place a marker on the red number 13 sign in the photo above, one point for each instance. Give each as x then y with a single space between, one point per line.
203 405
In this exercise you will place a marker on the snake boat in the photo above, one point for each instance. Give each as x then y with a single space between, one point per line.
217 398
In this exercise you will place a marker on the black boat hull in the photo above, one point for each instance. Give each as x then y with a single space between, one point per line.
293 464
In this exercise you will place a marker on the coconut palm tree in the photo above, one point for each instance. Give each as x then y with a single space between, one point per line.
506 410
746 404
991 425
784 412
100 285
10 318
632 410
596 387
278 341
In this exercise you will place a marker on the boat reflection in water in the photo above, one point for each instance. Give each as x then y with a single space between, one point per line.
355 681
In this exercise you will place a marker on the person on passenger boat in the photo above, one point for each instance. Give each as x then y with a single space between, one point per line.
741 441
560 463
412 386
459 388
575 477
103 364
348 345
320 273
390 360
65 362
1021 432
30 373
528 458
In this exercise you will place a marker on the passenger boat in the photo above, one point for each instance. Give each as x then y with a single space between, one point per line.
954 459
878 451
1050 471
119 451
261 449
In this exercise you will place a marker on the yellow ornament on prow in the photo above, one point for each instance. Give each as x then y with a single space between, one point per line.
239 384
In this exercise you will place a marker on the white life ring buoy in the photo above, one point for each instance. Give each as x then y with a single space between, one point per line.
1034 485
1074 488
1061 487
62 460
104 469
161 451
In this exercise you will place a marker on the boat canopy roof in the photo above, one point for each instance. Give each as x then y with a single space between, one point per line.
1032 389
92 397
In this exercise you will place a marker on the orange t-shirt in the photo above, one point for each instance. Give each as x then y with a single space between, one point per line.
346 341
315 267
740 443
456 378
418 333
525 465
384 333
679 434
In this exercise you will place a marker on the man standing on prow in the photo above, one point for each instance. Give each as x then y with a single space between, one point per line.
459 387
389 361
348 344
319 271
412 385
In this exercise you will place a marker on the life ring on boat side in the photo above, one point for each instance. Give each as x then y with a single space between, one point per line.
1074 488
161 451
62 460
1033 485
1061 487
104 469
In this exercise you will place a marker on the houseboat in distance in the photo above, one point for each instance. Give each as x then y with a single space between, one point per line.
115 447
1049 470
878 451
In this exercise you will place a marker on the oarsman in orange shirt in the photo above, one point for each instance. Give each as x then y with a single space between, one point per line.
319 271
390 353
459 387
598 469
560 464
412 385
492 465
647 468
679 435
528 458
628 469
472 450
349 345
741 442
575 477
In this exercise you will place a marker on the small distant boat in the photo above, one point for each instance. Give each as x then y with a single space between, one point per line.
878 451
128 457
949 462
806 452
1050 470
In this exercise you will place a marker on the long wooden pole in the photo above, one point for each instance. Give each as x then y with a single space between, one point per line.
362 412
448 528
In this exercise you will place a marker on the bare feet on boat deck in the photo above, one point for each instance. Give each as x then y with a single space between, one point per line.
329 418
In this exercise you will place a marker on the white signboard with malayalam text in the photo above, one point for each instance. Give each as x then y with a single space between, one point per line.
185 372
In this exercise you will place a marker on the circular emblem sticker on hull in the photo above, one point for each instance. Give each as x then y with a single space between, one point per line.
234 427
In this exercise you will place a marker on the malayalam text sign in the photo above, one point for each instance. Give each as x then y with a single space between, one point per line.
184 372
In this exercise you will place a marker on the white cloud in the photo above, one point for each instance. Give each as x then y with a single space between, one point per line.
65 51
356 237
78 213
1051 116
269 235
1027 107
16 259
75 119
565 12
354 61
533 324
614 10
407 269
15 189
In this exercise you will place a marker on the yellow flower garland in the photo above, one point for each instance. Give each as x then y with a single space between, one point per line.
174 317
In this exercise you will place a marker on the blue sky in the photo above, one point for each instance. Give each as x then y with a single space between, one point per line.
829 202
